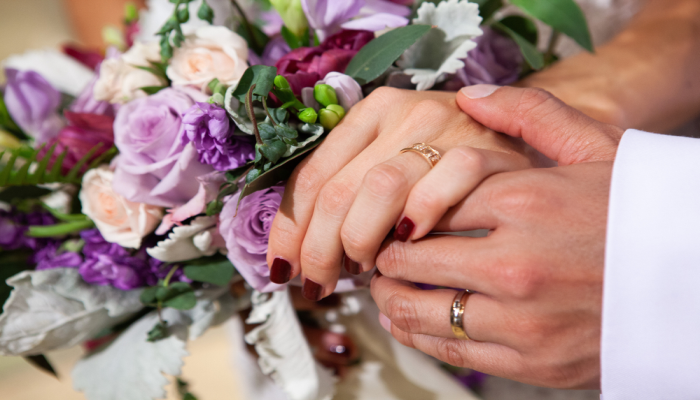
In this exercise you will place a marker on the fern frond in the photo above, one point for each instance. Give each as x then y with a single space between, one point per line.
13 174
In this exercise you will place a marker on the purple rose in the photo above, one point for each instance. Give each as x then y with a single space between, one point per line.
154 166
209 128
33 104
49 257
247 233
496 60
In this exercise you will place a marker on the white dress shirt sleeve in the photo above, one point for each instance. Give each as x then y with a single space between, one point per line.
651 300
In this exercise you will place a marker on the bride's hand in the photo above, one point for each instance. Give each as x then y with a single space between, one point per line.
536 316
348 195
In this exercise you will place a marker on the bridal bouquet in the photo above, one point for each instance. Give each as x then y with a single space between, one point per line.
136 211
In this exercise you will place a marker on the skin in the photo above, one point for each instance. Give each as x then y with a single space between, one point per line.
536 316
346 197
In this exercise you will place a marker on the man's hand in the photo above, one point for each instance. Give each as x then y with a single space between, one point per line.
357 175
538 275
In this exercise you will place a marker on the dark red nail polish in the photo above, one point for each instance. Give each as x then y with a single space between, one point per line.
281 271
312 290
351 266
404 230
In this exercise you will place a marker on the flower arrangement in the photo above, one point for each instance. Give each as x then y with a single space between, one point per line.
137 199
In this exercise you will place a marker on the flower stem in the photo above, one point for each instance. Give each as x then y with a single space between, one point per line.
246 24
251 113
552 46
268 113
168 277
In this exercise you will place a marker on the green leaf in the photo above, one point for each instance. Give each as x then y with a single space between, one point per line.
379 54
159 331
65 217
214 208
258 180
530 52
563 15
41 362
286 132
267 132
488 7
205 13
293 40
189 396
261 76
219 274
273 150
148 296
183 14
523 26
178 295
8 124
151 90
13 193
258 42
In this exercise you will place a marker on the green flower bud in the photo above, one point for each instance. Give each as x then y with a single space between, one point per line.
329 118
281 83
337 109
325 95
308 115
292 14
131 13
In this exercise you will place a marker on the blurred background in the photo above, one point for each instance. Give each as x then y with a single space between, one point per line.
38 24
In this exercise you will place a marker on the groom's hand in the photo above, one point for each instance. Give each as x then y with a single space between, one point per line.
538 275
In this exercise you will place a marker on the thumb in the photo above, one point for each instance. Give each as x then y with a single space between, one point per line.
556 130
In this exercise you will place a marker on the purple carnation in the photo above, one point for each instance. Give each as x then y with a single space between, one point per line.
11 232
209 128
14 224
120 272
496 60
49 257
95 245
247 233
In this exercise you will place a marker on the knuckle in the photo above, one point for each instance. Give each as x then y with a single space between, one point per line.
520 280
382 95
469 159
422 200
534 105
515 200
401 310
452 353
391 260
308 179
354 241
384 180
335 198
429 110
321 262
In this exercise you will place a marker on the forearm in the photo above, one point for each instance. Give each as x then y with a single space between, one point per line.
647 77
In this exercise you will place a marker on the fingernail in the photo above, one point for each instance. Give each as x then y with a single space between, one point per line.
479 91
312 290
404 230
351 266
385 322
281 271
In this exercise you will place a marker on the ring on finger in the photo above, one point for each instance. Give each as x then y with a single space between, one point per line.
430 154
457 314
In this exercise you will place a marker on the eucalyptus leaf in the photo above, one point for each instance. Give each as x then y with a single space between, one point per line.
564 16
273 150
381 53
530 52
236 110
148 296
219 273
178 295
267 132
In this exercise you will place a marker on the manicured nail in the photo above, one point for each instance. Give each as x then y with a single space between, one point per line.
385 321
479 91
281 271
351 266
404 230
312 290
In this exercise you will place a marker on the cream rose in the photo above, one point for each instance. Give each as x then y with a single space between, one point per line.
119 220
210 52
121 81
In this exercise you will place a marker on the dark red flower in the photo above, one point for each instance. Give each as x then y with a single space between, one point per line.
88 58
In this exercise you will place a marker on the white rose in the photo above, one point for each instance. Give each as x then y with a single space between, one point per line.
118 220
121 81
210 52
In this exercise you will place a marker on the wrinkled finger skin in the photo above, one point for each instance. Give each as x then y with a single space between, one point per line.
305 238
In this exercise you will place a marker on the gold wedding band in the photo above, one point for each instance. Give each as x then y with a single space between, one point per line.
430 154
457 314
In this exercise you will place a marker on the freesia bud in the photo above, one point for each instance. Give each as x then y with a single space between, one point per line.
329 118
337 109
292 14
325 95
308 115
281 82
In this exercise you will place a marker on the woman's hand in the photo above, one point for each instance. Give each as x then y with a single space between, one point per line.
536 316
345 198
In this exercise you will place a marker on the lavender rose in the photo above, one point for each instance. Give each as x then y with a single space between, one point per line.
247 233
154 166
33 104
496 60
209 128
